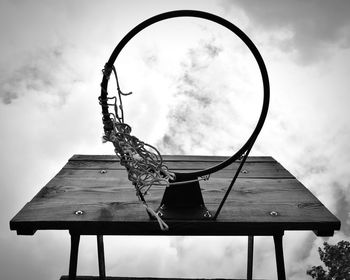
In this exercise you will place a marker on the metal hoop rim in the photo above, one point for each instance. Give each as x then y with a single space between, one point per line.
238 32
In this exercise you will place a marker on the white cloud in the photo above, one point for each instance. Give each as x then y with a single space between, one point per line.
217 100
46 73
310 28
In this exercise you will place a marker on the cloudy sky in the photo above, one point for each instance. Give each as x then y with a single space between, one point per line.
197 90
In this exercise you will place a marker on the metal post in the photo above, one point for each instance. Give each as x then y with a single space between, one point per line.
281 274
250 257
73 261
101 257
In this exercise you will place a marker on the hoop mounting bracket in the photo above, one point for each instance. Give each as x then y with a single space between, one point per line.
183 202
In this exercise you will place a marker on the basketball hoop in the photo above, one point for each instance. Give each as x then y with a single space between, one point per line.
143 162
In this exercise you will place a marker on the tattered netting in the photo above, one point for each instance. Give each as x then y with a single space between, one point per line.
142 161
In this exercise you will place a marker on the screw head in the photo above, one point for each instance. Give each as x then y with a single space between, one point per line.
274 213
207 214
79 212
244 171
103 171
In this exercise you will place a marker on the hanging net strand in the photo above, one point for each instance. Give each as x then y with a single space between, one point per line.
142 161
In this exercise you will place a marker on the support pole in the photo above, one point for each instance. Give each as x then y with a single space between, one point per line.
101 257
73 261
281 274
250 257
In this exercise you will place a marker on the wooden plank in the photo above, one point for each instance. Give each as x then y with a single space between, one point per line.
110 206
175 162
250 169
171 158
116 219
234 211
89 189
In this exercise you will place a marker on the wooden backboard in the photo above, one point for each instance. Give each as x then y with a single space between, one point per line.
265 199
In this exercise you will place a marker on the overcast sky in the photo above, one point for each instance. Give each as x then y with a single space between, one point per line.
197 90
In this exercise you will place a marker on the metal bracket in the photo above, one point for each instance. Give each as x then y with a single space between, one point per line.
184 201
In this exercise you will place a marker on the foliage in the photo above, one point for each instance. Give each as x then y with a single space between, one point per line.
337 260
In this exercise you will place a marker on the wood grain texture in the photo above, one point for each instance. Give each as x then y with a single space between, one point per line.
110 206
169 158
